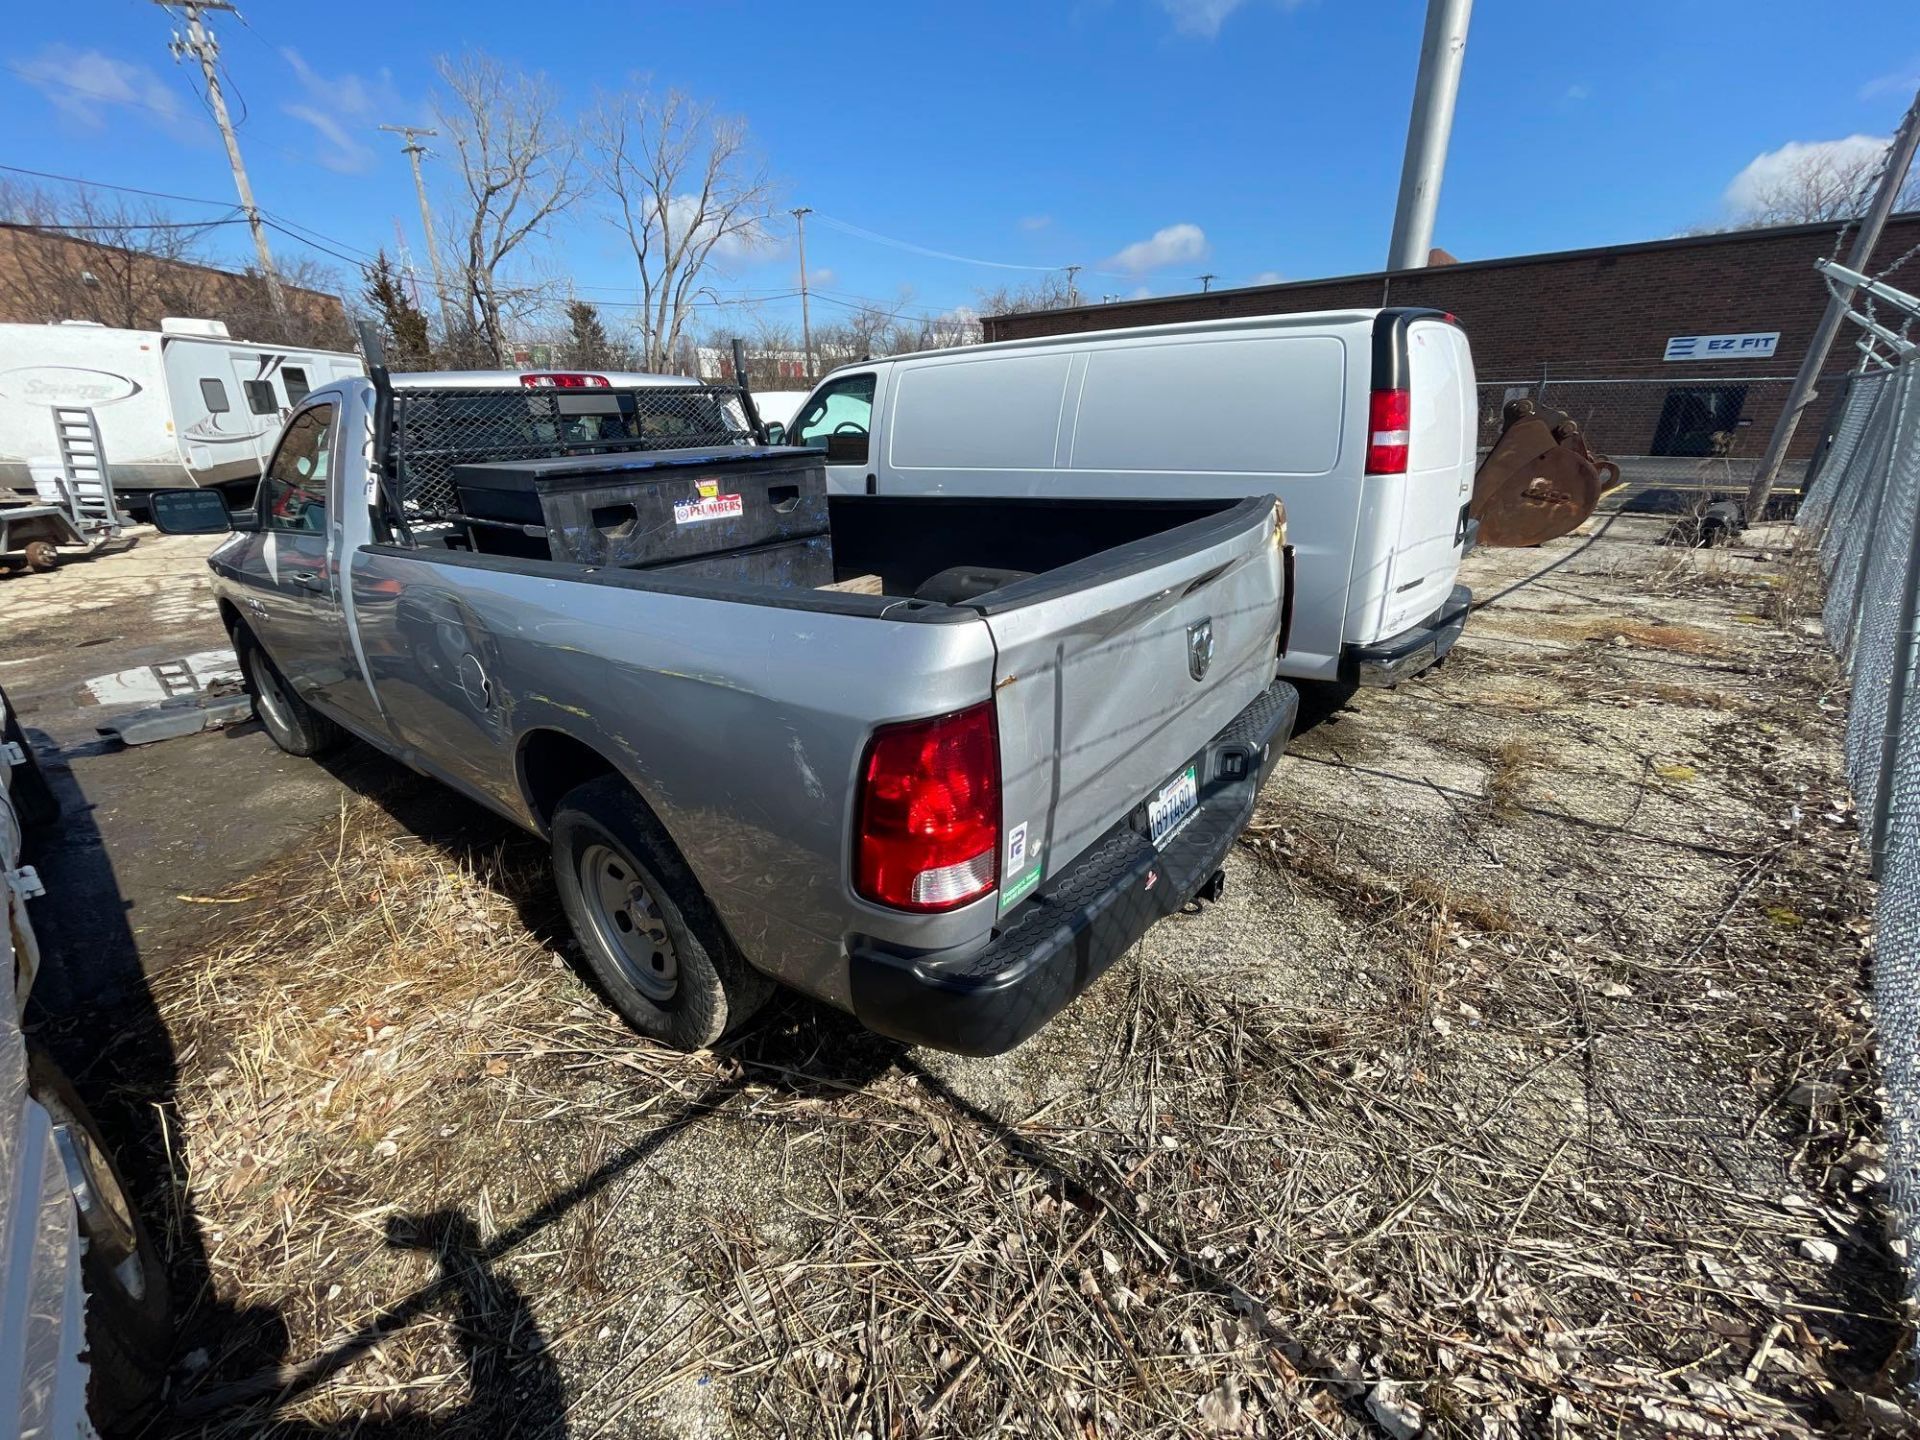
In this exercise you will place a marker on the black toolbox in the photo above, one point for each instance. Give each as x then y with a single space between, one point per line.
653 508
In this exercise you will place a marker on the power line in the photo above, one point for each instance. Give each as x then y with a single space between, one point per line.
877 238
36 79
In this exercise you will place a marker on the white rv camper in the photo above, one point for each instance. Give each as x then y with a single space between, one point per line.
182 405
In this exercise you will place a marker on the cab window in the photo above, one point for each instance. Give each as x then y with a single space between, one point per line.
840 407
293 493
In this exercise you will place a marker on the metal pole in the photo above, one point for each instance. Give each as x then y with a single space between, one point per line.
800 214
413 150
1892 175
1442 50
1206 283
203 47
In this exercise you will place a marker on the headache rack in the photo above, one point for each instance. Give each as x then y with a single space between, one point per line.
432 430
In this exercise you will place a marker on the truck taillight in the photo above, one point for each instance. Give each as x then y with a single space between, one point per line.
564 380
928 826
1389 423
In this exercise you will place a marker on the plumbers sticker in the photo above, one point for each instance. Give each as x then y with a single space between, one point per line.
707 507
1016 849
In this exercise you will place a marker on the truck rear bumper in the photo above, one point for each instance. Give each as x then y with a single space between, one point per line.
1078 922
1388 662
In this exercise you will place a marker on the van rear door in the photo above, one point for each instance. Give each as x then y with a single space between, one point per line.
1112 673
1444 416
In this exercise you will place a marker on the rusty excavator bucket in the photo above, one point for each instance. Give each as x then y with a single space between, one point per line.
1540 480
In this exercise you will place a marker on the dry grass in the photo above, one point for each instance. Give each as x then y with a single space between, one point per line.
1482 1116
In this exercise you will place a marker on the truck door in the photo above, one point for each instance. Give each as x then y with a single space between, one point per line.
837 419
296 614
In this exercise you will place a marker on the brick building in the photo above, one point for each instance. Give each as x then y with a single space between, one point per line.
1594 325
47 276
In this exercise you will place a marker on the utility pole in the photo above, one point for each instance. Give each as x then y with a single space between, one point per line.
800 213
201 45
1073 290
1442 50
413 150
1206 283
1892 175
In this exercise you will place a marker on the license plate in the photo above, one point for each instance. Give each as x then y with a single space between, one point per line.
1169 810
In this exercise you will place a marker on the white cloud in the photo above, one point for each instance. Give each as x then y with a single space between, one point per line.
1205 17
1767 174
344 111
1140 292
1199 17
1036 222
749 242
1903 81
1174 245
818 276
86 85
1268 277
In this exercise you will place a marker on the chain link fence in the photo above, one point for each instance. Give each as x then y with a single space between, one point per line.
1669 432
1862 508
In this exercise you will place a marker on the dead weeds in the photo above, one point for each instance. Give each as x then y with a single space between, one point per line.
1473 1165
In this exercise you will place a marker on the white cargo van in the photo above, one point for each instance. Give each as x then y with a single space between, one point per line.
1363 422
182 405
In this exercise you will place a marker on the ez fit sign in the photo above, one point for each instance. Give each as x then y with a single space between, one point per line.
1723 347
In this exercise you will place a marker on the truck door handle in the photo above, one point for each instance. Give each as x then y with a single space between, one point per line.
308 579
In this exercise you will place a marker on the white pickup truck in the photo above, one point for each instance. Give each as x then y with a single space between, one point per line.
945 799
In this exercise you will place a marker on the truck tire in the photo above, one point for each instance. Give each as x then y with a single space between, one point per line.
292 724
129 1308
648 932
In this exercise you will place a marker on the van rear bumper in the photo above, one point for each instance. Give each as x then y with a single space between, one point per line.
1080 921
1388 662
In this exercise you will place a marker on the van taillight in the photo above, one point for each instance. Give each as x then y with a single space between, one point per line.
928 828
1389 421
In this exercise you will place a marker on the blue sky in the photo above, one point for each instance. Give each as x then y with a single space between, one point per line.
1150 139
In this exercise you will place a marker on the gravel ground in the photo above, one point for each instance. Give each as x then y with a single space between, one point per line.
1521 1083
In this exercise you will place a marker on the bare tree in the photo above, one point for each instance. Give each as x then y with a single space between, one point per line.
518 170
687 194
85 256
1813 183
1053 291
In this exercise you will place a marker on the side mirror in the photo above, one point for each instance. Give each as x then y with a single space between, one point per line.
190 512
776 433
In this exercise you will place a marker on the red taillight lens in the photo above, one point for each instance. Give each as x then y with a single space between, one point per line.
1389 423
557 380
929 812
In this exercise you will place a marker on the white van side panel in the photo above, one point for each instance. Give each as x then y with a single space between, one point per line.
1171 409
999 413
1425 544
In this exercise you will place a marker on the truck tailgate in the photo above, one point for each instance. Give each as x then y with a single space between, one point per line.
1113 672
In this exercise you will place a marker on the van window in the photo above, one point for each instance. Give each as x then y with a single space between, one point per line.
295 379
1264 405
840 407
293 492
260 397
1001 413
213 395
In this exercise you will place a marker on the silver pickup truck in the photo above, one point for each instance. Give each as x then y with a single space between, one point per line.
946 813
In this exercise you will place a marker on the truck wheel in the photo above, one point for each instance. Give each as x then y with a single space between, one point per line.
129 1310
649 934
292 724
41 555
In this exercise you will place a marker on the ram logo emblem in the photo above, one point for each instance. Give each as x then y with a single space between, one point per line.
1200 647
